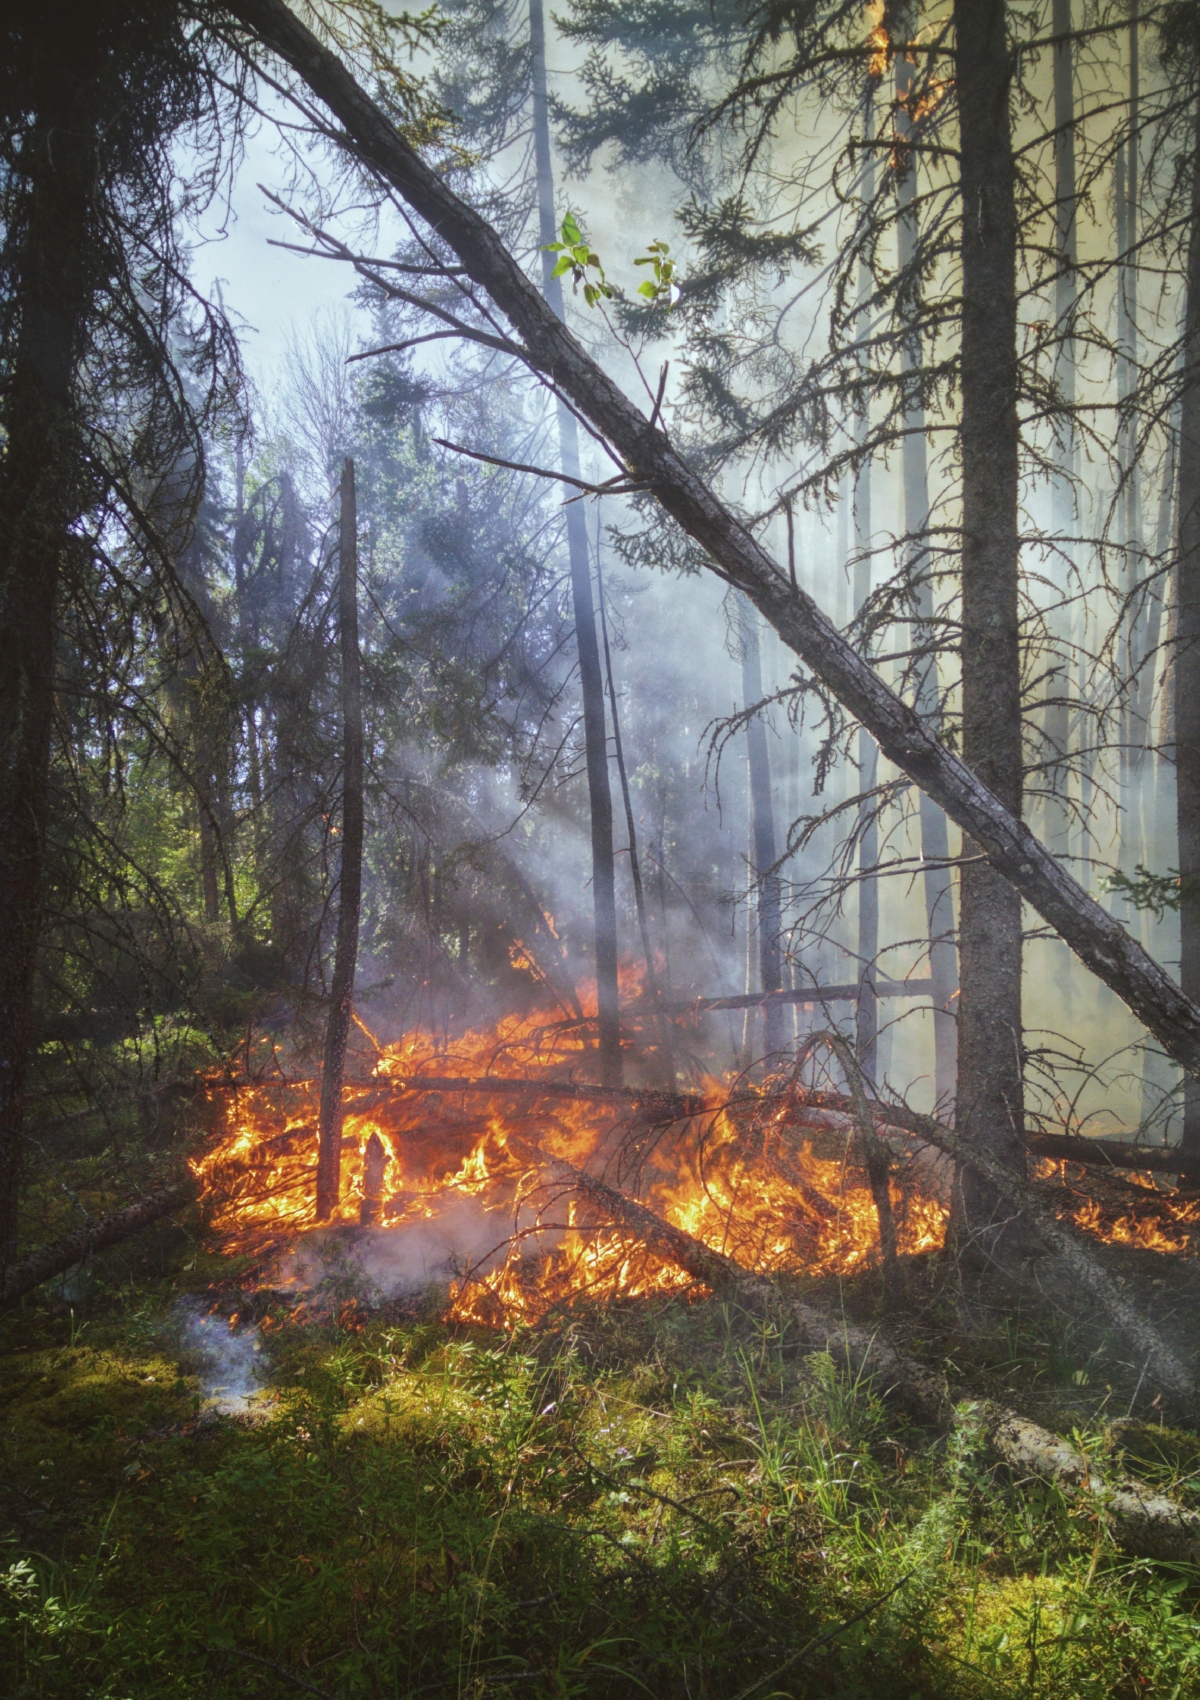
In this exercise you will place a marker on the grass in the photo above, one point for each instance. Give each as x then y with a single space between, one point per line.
659 1499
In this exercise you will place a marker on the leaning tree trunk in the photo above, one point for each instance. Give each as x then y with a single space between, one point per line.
40 497
1186 661
329 1152
990 1108
540 339
595 733
764 871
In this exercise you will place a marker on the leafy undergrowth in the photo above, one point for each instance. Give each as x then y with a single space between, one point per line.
666 1500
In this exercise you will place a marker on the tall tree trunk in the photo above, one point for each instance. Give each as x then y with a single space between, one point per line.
935 848
40 497
662 1025
1131 650
990 1109
595 734
547 345
867 1010
1057 722
1186 667
762 835
329 1154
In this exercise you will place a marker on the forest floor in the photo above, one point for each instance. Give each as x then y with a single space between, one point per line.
655 1498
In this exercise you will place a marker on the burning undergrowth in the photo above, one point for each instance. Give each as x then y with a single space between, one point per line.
462 1164
459 1159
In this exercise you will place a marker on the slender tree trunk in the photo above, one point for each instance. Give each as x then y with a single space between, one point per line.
662 1025
990 1109
329 1154
1186 661
1131 651
1057 721
762 835
935 847
40 497
547 345
867 1010
595 735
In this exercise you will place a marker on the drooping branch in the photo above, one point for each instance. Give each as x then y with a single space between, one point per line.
1093 934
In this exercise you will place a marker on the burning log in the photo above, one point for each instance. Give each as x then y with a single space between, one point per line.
63 1254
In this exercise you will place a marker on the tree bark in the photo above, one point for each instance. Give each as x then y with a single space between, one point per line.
762 835
549 348
40 496
350 884
635 866
990 1104
1186 661
595 733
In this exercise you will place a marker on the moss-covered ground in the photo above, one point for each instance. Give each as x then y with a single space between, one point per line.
662 1498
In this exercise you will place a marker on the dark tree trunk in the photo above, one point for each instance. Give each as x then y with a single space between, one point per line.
990 1110
762 834
595 732
40 497
350 884
1186 670
540 338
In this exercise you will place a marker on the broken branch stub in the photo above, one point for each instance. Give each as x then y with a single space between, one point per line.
650 458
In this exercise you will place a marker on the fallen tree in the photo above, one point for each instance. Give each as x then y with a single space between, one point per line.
61 1255
650 461
1143 1522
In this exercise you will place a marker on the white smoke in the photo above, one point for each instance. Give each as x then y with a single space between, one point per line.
232 1365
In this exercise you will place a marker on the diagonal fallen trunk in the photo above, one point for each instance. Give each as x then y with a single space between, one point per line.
862 1352
63 1254
1143 1522
654 463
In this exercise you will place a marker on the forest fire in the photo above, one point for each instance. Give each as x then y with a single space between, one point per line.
470 1174
478 1140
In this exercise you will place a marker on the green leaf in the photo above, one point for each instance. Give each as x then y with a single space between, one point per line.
566 264
571 232
648 289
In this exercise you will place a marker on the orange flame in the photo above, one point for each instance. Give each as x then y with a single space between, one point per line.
746 1177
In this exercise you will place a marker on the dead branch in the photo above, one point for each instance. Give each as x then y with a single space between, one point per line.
63 1254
